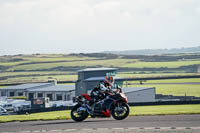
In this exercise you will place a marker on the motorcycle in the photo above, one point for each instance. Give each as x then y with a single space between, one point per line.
114 104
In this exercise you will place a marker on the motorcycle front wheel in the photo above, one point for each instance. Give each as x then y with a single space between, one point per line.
120 111
78 114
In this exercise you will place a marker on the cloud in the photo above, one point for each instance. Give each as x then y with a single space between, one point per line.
147 23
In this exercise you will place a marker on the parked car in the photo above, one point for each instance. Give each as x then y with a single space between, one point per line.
3 111
24 107
9 107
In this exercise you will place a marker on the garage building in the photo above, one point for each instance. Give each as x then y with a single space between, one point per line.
90 78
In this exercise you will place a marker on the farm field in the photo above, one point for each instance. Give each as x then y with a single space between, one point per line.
192 80
150 74
42 67
176 87
171 64
176 90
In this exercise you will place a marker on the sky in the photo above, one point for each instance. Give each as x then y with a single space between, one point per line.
85 26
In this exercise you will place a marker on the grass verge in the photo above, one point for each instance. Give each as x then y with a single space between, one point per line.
165 110
134 111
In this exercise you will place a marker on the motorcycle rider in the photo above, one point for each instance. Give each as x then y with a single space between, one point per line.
99 93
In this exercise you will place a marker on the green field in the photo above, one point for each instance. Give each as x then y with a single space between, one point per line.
150 74
88 63
134 111
34 68
178 90
165 110
175 89
173 64
130 63
191 80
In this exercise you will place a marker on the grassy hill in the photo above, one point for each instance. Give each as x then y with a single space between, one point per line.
158 51
41 67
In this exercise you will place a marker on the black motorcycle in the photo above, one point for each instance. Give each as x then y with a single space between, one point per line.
115 104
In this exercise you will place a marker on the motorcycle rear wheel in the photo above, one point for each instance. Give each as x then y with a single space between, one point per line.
120 111
78 116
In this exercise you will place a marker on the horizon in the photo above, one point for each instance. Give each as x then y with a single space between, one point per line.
106 52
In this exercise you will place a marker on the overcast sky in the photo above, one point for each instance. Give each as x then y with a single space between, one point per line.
73 26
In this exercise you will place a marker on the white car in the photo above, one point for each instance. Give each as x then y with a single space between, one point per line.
17 105
3 111
9 107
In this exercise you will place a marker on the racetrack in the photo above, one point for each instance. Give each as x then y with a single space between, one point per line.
166 123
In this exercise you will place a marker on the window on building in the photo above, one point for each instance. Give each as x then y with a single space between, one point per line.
50 96
31 96
40 95
12 93
3 93
20 93
59 97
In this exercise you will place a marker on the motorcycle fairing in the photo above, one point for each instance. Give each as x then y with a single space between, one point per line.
86 96
108 103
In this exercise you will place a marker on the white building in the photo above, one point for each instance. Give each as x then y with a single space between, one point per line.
55 93
139 94
37 90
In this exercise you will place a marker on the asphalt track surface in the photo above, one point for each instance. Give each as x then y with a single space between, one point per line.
137 124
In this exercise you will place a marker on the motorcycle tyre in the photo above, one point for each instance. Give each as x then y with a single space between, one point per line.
78 119
121 117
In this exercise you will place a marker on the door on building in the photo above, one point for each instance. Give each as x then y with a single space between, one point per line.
31 96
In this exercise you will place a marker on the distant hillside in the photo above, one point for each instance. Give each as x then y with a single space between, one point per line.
157 51
15 69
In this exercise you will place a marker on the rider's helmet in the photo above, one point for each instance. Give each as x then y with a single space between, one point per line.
109 81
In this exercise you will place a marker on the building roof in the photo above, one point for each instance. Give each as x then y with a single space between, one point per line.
95 79
134 89
102 78
56 88
98 69
27 86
